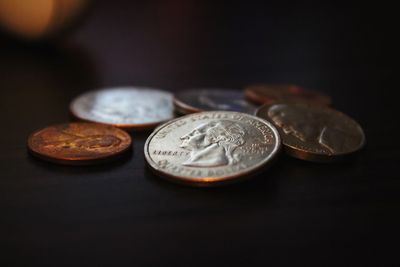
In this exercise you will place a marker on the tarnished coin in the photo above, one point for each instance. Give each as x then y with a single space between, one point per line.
268 93
191 101
211 148
124 107
79 143
314 133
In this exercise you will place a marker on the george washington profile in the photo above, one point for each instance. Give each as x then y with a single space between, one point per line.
213 144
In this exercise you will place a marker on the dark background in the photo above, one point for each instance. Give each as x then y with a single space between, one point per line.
296 213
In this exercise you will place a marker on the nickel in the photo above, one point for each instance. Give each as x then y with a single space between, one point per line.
314 133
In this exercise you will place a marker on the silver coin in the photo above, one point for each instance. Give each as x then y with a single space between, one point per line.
124 107
210 148
197 100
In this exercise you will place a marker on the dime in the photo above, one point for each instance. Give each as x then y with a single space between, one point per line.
124 107
314 133
79 143
268 93
191 101
211 148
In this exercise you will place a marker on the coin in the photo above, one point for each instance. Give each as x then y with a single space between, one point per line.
314 133
79 143
191 101
212 148
268 93
124 107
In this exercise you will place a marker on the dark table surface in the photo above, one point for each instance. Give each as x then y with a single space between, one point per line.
296 213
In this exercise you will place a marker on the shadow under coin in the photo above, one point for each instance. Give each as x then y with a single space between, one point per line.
263 182
107 165
297 169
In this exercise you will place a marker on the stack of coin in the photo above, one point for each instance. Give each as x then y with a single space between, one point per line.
98 141
225 136
211 148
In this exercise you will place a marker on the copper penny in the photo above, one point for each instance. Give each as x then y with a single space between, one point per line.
197 100
212 148
268 93
79 143
314 133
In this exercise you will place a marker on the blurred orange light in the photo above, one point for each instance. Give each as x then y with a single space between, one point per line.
34 19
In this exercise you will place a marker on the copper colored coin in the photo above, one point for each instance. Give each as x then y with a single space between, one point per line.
314 133
79 143
268 93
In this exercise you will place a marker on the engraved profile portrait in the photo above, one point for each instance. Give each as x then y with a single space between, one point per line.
313 127
213 144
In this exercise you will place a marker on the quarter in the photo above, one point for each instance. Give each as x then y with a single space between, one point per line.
124 107
268 93
212 148
191 101
314 133
79 143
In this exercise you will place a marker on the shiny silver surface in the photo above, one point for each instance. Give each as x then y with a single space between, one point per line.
126 107
210 148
